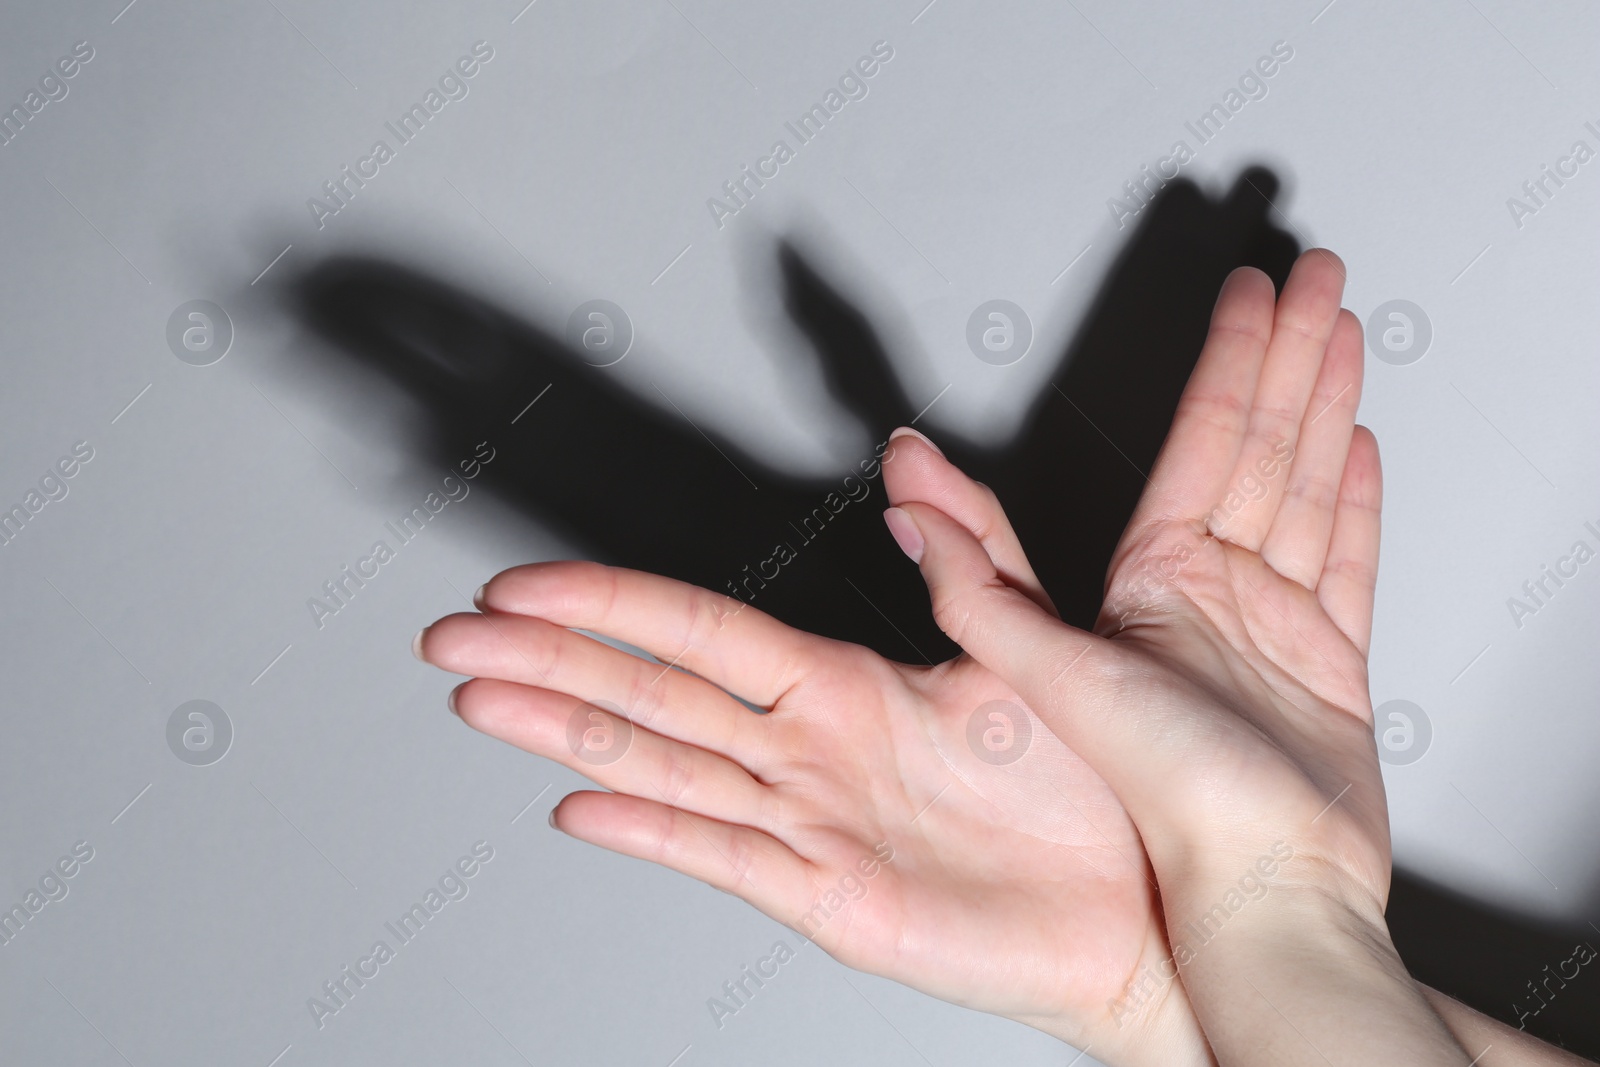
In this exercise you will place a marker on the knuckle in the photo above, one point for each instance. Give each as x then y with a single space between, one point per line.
770 810
951 616
1352 570
991 515
1270 424
1303 325
645 701
1313 489
677 776
1248 328
704 619
1221 410
741 861
959 612
541 651
666 839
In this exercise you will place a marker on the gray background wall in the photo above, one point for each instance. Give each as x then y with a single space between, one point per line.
177 167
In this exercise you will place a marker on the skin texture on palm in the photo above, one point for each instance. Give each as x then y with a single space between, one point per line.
1027 894
1226 703
1246 660
1019 889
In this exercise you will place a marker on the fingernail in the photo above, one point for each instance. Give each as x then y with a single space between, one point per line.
416 644
551 819
477 598
903 528
906 431
451 701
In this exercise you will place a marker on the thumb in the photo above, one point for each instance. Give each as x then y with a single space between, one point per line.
973 603
1075 681
915 469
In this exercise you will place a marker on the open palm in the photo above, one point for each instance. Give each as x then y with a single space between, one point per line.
922 823
986 865
1223 695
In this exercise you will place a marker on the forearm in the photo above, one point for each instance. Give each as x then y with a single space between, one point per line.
1301 976
1477 1033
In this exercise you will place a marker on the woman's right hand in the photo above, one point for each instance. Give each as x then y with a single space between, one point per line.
1223 695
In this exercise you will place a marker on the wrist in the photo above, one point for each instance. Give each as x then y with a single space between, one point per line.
1281 980
1215 888
1288 919
1149 1024
1140 1018
1306 919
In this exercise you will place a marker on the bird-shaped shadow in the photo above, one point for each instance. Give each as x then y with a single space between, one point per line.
639 484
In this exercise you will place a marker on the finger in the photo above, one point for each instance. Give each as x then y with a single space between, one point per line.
1297 545
1301 328
1191 472
973 604
609 750
915 469
720 638
530 651
1071 679
1351 572
735 859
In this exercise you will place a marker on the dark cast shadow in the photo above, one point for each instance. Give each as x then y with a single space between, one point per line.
632 480
637 484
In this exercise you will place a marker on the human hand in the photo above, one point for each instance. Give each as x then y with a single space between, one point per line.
1015 888
909 740
1238 605
1223 694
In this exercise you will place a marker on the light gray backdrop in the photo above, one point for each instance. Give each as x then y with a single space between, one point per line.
176 165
